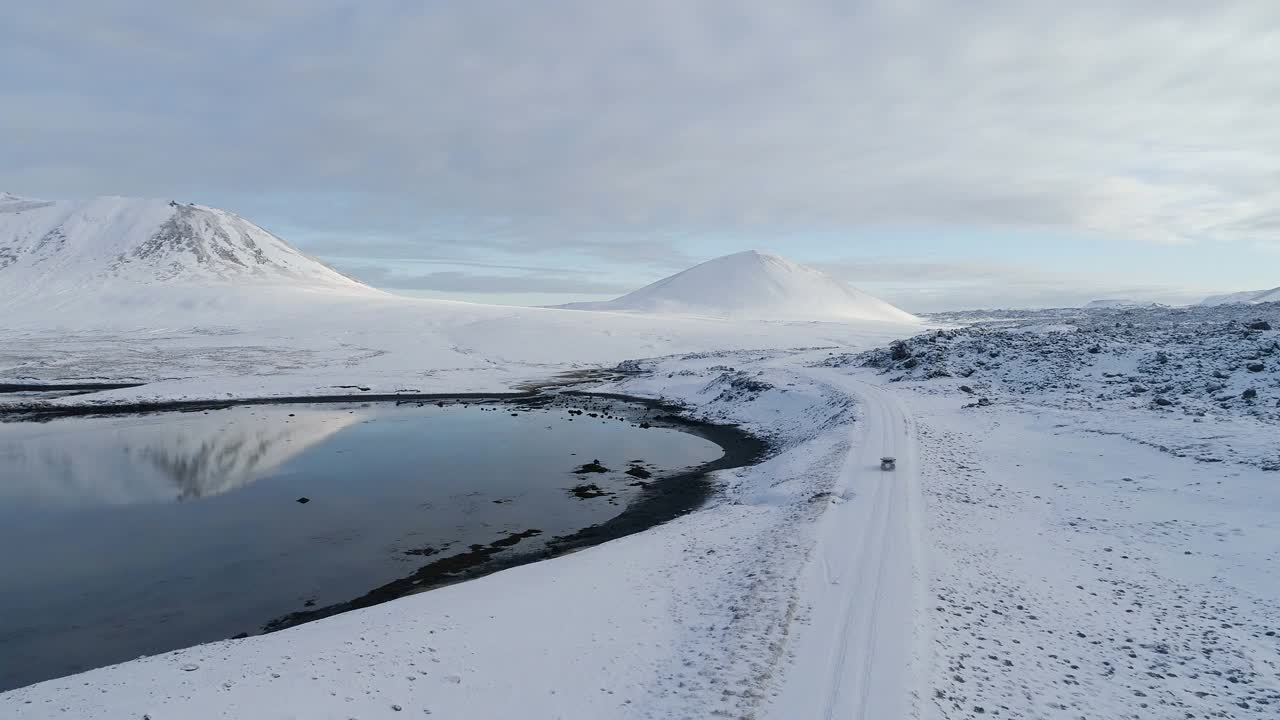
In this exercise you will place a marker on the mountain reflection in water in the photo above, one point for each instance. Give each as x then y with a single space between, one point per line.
124 461
126 536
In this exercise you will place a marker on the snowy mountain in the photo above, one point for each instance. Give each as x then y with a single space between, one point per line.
59 249
753 285
1250 297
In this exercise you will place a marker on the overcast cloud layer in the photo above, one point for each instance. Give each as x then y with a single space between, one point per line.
623 134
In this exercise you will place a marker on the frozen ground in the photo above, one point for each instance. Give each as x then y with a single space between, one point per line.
209 342
1068 547
691 619
1201 382
1096 552
1075 575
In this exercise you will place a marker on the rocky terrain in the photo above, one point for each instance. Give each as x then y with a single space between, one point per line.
1100 500
1152 370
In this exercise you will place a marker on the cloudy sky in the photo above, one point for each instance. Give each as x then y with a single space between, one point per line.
939 153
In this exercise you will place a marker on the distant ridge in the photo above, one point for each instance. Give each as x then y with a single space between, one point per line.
1120 303
754 285
1249 297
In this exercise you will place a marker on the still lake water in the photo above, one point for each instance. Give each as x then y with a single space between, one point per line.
128 536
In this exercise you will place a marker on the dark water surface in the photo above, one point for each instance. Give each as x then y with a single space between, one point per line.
125 536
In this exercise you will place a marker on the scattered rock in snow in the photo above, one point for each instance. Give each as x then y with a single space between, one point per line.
586 491
592 467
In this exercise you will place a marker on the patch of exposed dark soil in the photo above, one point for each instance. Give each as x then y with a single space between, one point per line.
440 572
58 387
586 491
43 412
427 551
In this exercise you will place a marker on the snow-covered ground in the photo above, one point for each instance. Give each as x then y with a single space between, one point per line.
1203 382
1095 552
206 343
1019 563
691 619
1076 575
1082 521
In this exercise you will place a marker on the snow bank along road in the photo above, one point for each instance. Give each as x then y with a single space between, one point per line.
864 582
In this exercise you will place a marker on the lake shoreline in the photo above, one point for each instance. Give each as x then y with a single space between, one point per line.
660 499
43 411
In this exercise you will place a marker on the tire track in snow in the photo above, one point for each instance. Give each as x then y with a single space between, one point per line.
854 658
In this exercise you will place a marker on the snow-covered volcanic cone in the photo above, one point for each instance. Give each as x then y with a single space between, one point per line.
754 285
52 253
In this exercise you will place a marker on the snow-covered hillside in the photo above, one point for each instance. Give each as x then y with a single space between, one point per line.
1152 374
1249 297
52 253
754 285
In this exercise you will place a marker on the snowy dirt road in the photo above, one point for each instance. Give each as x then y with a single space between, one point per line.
855 655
